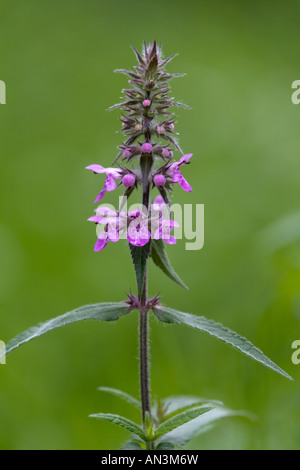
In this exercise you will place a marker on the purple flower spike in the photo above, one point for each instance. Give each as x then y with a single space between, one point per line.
112 174
128 180
146 103
146 147
159 180
174 172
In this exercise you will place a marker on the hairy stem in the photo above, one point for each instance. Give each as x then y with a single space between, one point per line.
144 364
146 164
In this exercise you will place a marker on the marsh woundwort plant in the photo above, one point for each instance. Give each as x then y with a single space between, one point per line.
146 164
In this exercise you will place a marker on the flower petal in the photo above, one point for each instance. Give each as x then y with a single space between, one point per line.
100 195
138 233
184 184
101 242
112 230
185 159
170 240
96 168
98 219
176 175
110 183
103 210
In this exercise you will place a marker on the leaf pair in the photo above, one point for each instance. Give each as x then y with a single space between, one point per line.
182 418
111 311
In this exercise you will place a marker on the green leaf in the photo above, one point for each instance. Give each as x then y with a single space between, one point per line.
165 445
148 427
180 419
108 311
139 256
125 396
131 445
168 315
120 421
176 403
183 434
186 408
160 258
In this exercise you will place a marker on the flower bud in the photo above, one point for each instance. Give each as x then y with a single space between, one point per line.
159 180
128 180
171 126
146 103
146 147
160 129
139 127
165 152
127 153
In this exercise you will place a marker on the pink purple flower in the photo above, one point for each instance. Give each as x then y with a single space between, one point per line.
127 153
165 152
111 221
128 180
174 172
138 233
164 231
161 224
146 103
147 147
160 129
112 174
159 180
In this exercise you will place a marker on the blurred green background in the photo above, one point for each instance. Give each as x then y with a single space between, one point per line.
57 60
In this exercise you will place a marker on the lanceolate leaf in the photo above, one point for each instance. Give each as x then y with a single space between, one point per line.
183 434
108 311
120 421
165 445
176 403
139 256
168 315
132 445
180 419
161 260
125 396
